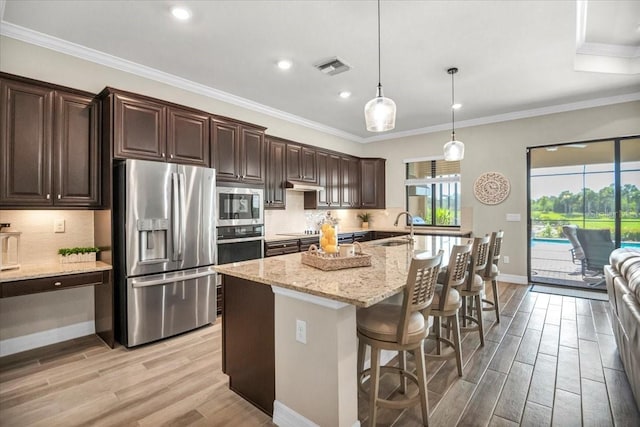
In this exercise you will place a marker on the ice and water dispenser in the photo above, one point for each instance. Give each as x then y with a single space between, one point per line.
153 233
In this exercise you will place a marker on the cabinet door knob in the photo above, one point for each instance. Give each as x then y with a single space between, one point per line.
162 154
59 197
48 196
244 176
171 156
57 284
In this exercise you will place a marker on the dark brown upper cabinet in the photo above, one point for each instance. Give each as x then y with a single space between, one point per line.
76 150
50 145
139 128
150 129
372 177
275 194
328 169
349 182
188 137
301 163
238 151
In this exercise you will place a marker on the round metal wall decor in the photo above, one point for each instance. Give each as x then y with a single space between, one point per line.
491 188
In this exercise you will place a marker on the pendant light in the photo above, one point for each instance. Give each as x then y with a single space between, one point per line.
380 112
453 150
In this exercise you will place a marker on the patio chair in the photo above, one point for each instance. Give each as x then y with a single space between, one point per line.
597 247
577 254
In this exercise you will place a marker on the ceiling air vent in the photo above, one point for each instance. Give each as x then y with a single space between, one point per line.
332 66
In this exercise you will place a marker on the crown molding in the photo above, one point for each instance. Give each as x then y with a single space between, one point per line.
59 45
33 37
524 114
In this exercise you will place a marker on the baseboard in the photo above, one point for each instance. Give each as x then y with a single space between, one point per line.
513 278
283 416
40 339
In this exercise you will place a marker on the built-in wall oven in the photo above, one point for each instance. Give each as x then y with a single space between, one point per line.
240 243
239 227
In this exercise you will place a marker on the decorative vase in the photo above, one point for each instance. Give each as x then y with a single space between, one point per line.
365 224
329 238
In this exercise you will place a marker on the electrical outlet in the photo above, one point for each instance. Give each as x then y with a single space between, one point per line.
505 259
58 225
301 331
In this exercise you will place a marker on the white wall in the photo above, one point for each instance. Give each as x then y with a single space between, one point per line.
501 147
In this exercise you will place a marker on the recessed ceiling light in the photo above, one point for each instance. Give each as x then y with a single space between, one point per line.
181 13
284 64
345 94
456 106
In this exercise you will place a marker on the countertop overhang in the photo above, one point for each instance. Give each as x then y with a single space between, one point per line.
362 286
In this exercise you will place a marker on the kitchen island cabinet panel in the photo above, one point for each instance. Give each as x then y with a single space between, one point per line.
248 343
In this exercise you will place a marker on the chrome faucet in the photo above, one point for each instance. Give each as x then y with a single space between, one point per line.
395 224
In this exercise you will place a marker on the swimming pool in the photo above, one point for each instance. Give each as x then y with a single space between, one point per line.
539 240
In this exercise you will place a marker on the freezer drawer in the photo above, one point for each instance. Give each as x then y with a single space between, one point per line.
163 305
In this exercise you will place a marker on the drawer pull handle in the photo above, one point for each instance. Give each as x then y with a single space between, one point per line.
57 284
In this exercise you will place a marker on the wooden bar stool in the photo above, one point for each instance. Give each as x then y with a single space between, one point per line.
491 273
399 328
446 304
471 291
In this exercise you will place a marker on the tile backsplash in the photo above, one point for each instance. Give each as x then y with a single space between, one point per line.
293 218
38 243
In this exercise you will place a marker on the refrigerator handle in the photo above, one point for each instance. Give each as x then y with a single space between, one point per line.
177 220
183 217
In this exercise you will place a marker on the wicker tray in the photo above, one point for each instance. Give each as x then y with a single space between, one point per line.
328 262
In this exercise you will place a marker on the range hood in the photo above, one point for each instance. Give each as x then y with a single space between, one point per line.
302 186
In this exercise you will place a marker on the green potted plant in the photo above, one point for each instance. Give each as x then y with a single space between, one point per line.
77 254
365 217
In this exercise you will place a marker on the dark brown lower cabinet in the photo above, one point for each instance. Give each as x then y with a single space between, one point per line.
248 341
103 295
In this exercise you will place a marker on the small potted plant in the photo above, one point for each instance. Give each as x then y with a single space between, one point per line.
69 255
365 217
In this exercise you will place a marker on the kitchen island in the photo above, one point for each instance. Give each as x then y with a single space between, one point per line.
289 330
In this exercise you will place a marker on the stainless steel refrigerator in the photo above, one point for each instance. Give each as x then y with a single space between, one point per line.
164 247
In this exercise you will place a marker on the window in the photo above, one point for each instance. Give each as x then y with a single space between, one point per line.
433 192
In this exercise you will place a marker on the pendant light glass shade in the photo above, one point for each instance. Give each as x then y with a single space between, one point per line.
454 149
380 113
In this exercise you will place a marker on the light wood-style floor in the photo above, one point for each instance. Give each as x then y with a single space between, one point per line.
551 361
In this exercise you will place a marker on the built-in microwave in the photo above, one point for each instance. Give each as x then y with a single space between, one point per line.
239 206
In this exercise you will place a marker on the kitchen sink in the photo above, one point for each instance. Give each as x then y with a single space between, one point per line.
393 243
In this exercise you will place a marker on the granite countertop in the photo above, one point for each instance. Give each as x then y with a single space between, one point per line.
26 272
362 287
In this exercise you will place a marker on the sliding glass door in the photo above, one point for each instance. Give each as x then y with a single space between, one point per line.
584 200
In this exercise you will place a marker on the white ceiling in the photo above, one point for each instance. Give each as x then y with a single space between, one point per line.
516 58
